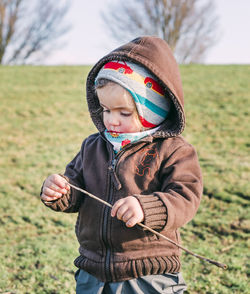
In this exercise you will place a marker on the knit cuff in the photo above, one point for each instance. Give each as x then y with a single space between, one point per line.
155 212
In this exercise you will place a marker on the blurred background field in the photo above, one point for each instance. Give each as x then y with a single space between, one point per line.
43 120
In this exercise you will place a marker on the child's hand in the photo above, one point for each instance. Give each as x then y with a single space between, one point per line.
54 187
128 210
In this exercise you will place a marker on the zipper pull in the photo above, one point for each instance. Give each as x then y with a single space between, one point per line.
114 176
113 164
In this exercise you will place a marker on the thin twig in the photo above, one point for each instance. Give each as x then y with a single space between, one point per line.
221 265
227 248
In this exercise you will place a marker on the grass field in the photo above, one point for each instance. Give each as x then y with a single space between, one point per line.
43 119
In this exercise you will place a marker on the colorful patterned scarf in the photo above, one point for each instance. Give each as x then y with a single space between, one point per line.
119 140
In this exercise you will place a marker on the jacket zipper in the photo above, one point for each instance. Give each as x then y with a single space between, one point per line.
106 214
105 236
116 182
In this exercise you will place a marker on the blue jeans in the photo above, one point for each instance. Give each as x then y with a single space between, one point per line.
164 284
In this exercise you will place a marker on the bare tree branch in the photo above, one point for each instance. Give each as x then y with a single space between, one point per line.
187 25
27 30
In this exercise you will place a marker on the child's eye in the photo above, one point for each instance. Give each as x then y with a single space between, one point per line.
126 113
105 110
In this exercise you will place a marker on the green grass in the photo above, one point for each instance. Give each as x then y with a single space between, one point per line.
43 119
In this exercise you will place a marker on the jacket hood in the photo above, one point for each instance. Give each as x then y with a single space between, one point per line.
154 54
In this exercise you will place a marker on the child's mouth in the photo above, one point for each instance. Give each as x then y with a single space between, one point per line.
114 133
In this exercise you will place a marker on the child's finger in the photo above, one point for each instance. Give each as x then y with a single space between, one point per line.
116 206
60 181
132 222
121 211
51 193
127 215
57 183
57 188
48 198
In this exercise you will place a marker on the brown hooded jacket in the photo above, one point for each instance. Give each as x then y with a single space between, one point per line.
161 171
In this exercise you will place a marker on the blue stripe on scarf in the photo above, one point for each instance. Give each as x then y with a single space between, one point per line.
150 105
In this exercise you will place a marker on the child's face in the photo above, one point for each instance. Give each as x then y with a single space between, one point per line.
119 111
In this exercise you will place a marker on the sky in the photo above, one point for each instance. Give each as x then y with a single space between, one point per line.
88 40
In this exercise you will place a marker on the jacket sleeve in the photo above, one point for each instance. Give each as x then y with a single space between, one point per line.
71 201
181 191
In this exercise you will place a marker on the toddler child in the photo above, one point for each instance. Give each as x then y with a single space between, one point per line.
140 164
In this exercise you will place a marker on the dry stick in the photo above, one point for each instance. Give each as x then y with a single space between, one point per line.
221 265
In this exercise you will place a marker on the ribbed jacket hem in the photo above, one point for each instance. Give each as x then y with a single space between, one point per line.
126 270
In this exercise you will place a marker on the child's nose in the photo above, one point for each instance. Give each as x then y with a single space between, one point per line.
114 120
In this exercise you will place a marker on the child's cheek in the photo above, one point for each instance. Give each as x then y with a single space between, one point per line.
127 127
105 122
